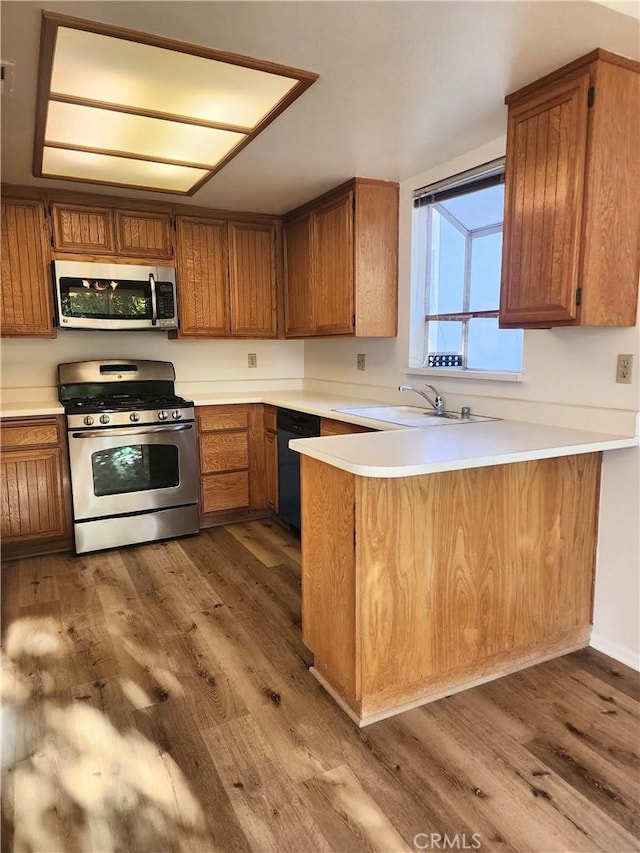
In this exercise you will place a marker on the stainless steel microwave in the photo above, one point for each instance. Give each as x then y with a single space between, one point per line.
115 296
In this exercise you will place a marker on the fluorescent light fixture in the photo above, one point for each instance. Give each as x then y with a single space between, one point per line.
125 108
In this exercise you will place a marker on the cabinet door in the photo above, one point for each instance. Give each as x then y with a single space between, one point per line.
271 454
333 267
81 229
330 427
546 154
26 278
32 495
203 277
298 293
143 235
252 279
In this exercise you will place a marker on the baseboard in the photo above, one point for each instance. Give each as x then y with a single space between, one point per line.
615 651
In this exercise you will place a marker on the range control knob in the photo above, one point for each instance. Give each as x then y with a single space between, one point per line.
163 415
176 414
104 419
88 420
134 416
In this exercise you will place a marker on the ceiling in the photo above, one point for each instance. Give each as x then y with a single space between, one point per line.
403 85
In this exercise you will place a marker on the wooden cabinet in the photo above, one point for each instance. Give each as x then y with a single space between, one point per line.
232 460
26 307
330 427
342 262
143 235
298 277
227 277
271 457
571 251
224 457
203 275
253 265
83 229
36 502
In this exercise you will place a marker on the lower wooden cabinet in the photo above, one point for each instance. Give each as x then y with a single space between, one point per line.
232 459
271 457
36 501
330 427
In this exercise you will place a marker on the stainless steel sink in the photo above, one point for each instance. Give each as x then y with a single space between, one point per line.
412 416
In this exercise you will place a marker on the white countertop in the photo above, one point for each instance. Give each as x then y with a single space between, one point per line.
397 451
452 447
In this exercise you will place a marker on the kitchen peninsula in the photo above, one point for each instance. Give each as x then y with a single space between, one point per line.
434 560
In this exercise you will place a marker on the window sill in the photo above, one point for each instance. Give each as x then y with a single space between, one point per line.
459 373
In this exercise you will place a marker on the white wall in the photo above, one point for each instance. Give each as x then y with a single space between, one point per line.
568 379
201 366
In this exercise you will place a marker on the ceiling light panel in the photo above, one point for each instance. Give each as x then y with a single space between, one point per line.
157 139
133 102
120 171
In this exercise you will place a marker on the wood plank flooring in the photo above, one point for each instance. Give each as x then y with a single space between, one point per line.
157 698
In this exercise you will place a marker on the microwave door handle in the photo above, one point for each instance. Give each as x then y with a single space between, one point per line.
154 305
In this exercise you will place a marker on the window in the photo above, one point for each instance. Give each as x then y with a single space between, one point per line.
457 251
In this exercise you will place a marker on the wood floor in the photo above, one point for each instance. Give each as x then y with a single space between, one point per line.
157 698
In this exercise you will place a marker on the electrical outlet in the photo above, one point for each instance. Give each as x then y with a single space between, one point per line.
252 359
361 361
624 369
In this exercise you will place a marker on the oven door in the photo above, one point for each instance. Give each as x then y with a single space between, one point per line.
133 469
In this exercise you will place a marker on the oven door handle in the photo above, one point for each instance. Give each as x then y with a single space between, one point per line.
154 304
144 430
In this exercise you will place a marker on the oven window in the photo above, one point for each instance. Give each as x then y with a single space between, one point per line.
135 468
105 300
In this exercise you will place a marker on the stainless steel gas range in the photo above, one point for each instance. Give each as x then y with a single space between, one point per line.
133 453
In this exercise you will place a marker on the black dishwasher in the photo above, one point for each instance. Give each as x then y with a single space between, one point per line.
292 425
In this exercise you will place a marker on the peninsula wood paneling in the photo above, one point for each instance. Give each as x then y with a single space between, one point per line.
333 267
143 234
253 279
299 308
26 307
82 229
203 277
414 587
546 144
330 593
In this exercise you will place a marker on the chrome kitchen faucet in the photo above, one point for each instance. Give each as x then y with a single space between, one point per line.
436 402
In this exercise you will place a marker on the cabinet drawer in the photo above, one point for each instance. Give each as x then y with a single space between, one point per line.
224 451
330 427
209 420
270 418
225 491
29 434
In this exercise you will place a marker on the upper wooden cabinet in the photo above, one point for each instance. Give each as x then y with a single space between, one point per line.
143 234
571 250
227 277
26 307
253 265
203 277
82 229
342 262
